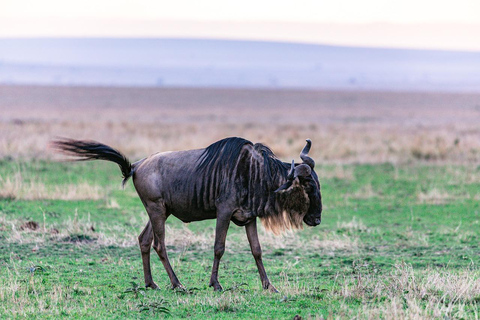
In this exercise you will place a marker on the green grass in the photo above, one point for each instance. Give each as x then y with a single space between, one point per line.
394 240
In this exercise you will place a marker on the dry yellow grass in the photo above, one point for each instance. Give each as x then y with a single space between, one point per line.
344 126
439 196
434 196
20 231
177 239
428 294
355 224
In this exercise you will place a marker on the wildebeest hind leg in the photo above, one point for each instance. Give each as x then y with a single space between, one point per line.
252 235
158 216
145 240
219 248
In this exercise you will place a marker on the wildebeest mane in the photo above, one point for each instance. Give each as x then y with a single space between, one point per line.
213 170
224 152
254 173
271 163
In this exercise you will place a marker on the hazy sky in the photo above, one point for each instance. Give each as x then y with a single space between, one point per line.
406 23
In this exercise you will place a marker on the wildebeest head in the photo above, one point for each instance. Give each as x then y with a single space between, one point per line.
303 179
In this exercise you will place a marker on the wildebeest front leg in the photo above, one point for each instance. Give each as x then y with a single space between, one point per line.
219 248
252 235
145 240
158 216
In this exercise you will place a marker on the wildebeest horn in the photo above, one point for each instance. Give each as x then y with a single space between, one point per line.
304 155
291 173
290 178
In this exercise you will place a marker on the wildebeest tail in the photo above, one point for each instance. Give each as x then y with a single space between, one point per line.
92 150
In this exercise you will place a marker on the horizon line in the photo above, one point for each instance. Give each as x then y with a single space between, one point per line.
443 36
219 39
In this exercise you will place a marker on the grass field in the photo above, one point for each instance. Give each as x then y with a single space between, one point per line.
395 242
399 238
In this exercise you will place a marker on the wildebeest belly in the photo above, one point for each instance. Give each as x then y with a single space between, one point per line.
191 214
241 218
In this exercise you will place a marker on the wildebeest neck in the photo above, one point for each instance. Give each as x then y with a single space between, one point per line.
239 172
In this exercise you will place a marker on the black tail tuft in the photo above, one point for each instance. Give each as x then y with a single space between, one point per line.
92 150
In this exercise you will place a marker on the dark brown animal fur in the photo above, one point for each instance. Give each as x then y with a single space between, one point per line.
231 180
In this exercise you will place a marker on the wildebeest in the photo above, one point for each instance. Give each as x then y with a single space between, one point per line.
230 180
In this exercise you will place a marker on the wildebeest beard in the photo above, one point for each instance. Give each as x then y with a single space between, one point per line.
292 206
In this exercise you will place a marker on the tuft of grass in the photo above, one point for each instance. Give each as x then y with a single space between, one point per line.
154 307
355 225
135 289
434 196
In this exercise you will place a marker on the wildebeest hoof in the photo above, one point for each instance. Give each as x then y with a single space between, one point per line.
271 288
152 285
216 286
178 287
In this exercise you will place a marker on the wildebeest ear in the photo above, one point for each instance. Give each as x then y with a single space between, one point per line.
303 170
285 186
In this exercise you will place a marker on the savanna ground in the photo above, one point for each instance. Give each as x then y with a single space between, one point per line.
400 182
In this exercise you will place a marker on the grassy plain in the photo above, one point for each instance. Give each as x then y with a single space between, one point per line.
400 231
395 242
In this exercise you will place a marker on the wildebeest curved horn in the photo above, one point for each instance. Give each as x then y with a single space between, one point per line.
290 178
304 155
291 173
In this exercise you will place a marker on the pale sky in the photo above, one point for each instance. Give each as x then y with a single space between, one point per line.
392 23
